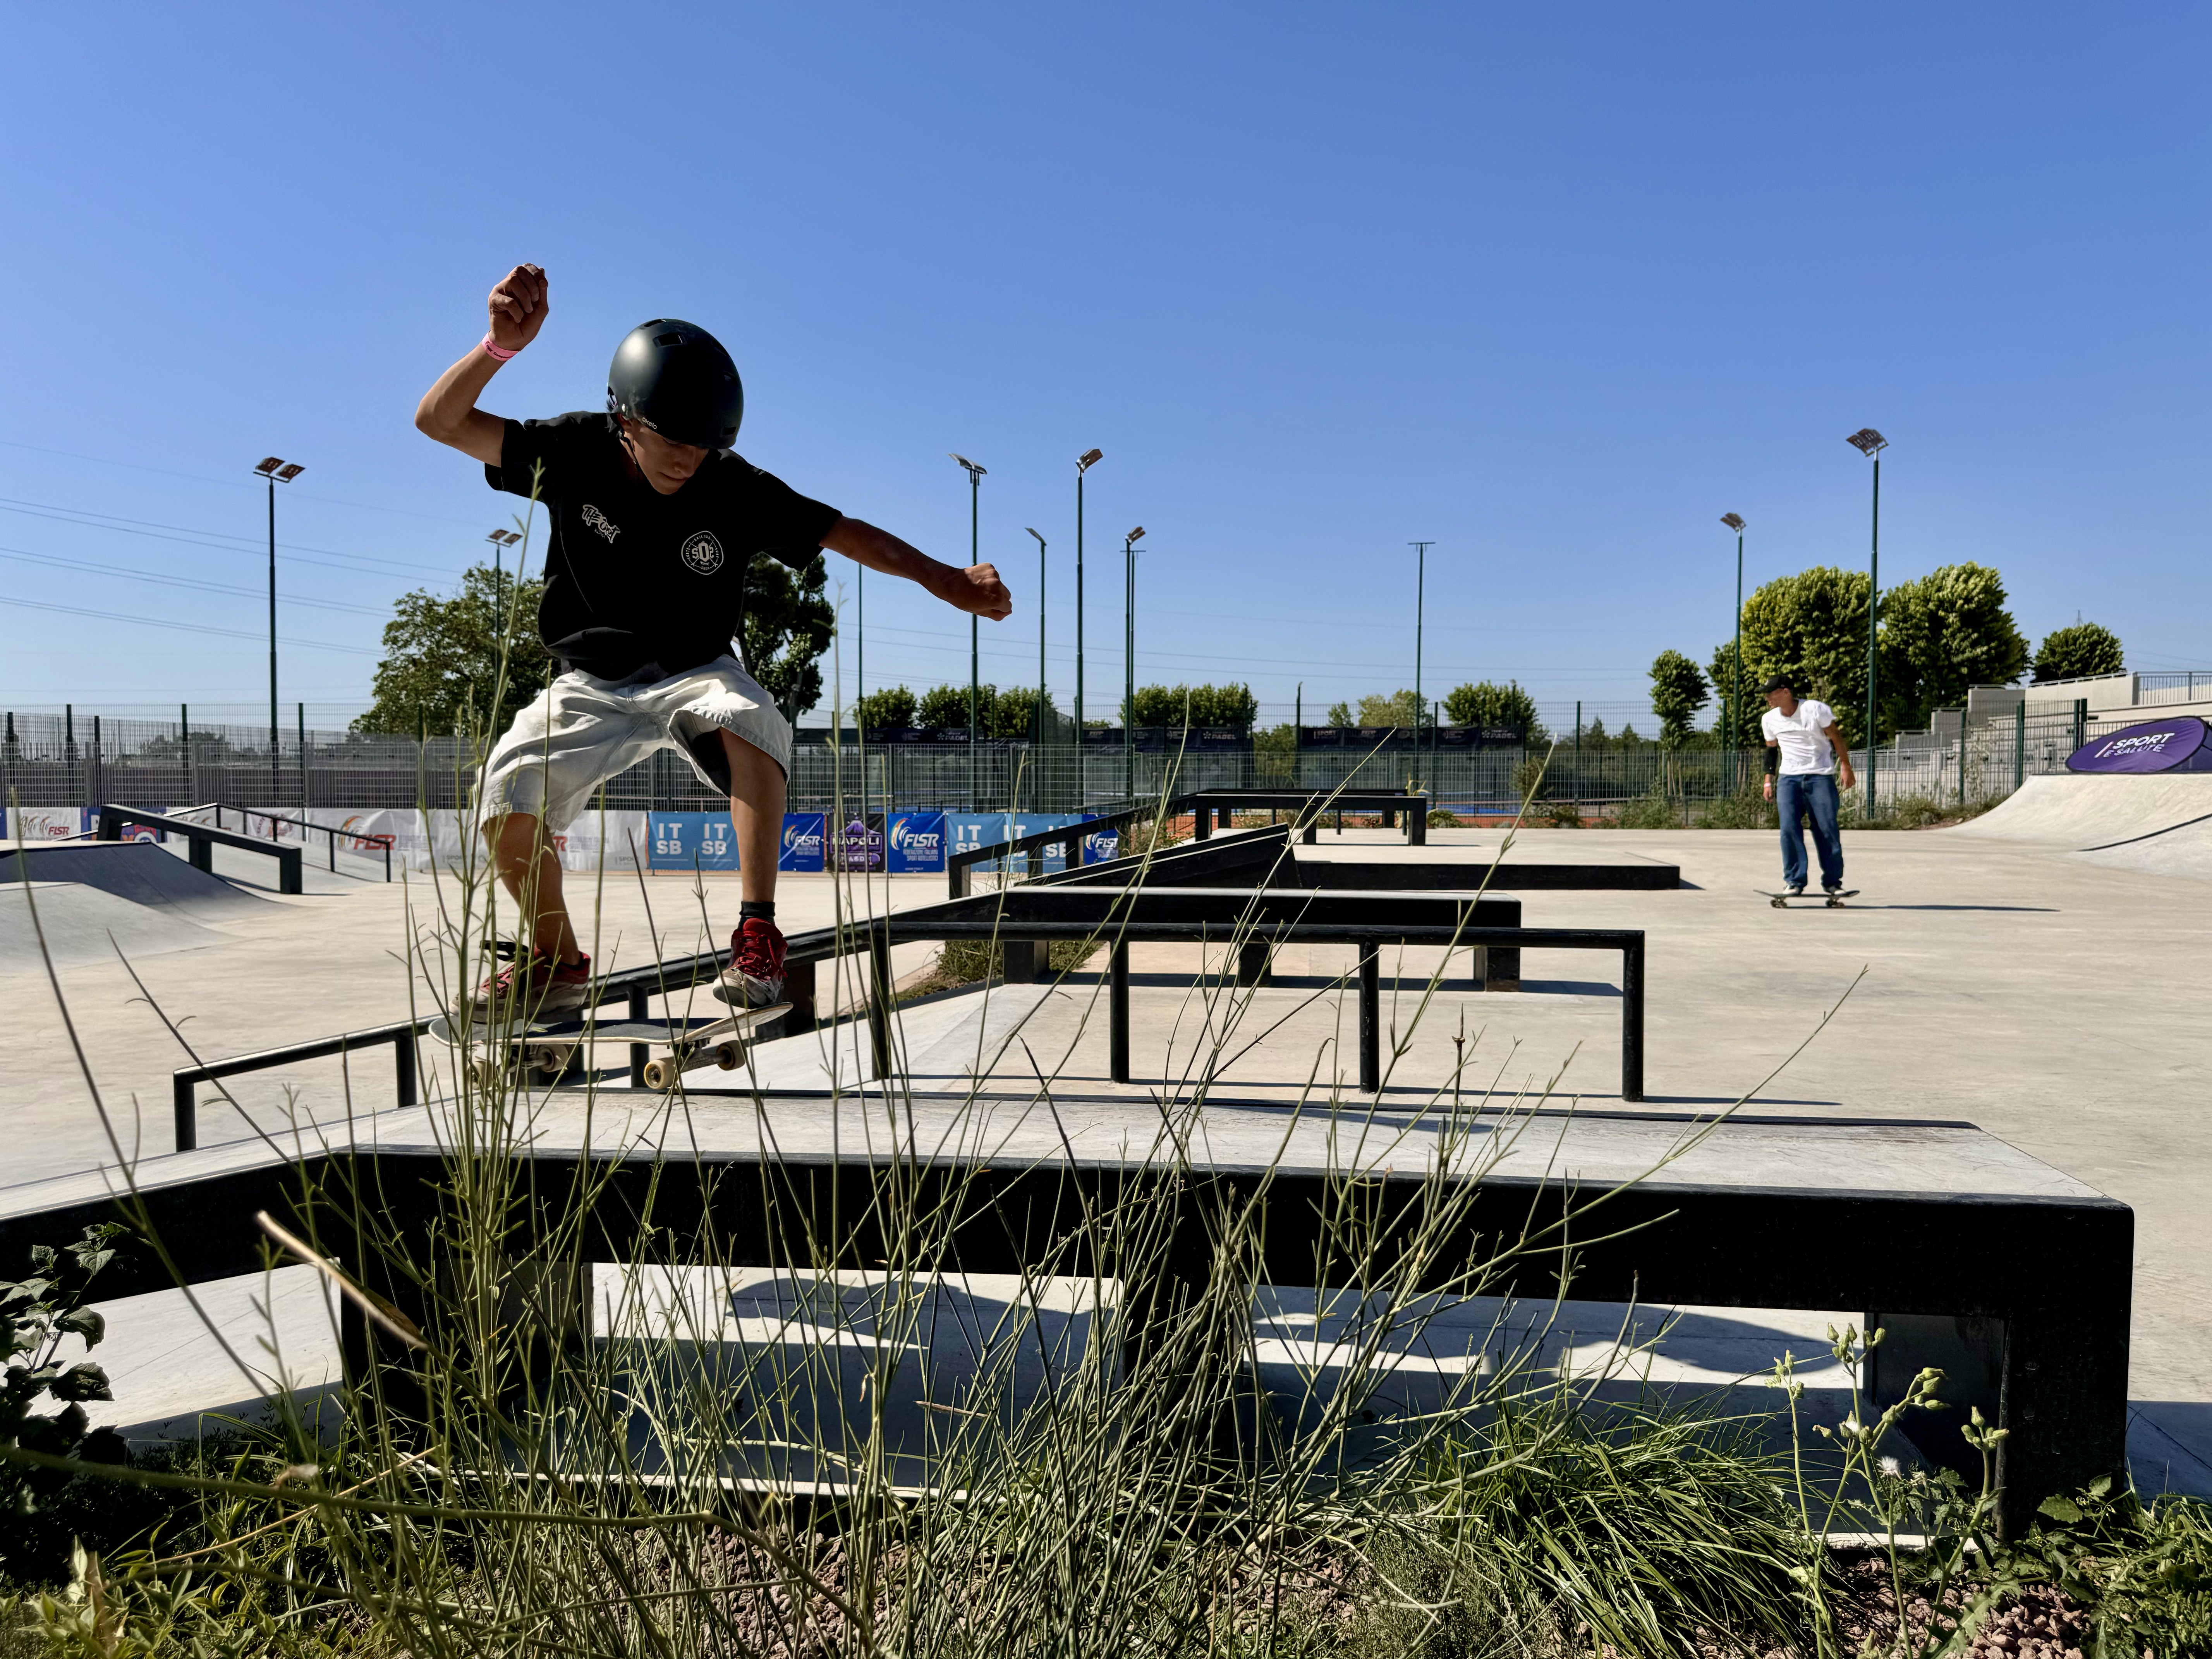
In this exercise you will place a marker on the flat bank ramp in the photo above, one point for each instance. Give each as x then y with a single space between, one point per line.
137 871
2159 823
84 924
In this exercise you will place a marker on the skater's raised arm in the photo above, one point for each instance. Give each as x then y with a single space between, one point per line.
974 587
448 411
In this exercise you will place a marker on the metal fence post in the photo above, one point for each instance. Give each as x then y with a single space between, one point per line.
2081 721
2020 741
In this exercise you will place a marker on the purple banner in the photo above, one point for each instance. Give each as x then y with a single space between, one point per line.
2169 746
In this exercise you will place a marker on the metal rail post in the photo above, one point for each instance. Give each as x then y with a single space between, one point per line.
1370 1021
1631 1018
1117 1012
638 1051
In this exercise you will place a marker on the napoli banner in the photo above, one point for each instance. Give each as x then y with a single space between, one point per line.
914 844
859 844
2173 746
804 836
692 840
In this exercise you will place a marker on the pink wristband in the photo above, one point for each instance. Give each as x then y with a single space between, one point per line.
492 348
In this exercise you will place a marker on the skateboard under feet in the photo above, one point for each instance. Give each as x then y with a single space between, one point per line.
1828 900
547 1051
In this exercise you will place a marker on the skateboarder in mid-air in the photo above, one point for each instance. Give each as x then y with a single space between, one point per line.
1804 748
654 521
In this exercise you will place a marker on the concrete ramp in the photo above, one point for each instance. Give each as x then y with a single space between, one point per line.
138 872
84 924
2160 821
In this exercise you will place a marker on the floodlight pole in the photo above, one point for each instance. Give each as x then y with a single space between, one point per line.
1083 463
276 471
1735 522
1039 722
1870 443
1421 592
1129 665
975 643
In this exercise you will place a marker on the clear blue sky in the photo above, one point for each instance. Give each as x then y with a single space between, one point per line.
1553 286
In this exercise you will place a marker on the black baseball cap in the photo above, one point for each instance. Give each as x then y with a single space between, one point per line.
1779 683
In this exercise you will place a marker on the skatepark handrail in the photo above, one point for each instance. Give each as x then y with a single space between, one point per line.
201 840
249 814
1207 803
877 936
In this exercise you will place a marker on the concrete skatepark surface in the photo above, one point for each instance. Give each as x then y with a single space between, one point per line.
2062 1004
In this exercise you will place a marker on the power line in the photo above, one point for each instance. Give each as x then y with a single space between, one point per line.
214 540
22 557
182 627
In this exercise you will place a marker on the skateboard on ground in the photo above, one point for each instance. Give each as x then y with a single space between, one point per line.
1831 901
548 1050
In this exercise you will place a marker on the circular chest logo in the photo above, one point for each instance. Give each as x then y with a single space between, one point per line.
703 554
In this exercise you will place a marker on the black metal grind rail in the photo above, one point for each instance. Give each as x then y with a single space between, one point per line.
1209 807
203 840
247 814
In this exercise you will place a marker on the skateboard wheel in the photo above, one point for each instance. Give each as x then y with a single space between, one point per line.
658 1073
1779 904
487 1076
728 1056
1835 904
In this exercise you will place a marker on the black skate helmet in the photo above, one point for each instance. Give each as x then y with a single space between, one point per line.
675 378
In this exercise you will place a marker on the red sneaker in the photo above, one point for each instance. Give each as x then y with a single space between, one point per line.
535 988
754 978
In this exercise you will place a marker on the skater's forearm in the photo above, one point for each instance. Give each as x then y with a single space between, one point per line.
448 411
966 588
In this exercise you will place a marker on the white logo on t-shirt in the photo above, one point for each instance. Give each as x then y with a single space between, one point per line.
600 522
703 553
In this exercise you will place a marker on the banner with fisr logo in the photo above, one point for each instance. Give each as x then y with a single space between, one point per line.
803 837
914 844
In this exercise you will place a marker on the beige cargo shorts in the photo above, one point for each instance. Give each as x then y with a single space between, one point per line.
580 731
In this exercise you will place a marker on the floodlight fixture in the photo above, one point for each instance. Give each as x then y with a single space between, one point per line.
1136 535
1867 442
973 470
1087 459
268 464
1734 521
1040 540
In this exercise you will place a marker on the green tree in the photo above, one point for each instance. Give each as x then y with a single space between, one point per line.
1340 714
1397 709
788 624
441 665
1275 751
891 708
945 708
1011 715
2077 653
1196 705
1747 707
1941 634
1812 627
1488 703
1678 692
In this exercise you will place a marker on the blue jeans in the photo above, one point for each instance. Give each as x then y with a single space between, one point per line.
1797 795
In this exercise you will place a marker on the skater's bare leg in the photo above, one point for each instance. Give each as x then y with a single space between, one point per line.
756 796
529 869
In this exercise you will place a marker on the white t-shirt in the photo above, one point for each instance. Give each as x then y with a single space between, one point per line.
1804 751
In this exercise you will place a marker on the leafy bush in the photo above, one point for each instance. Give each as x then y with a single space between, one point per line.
2077 653
1654 811
1747 809
1488 703
945 707
1443 817
891 708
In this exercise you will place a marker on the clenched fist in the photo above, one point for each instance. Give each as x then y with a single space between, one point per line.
518 307
976 588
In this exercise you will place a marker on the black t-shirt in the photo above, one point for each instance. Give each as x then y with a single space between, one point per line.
633 576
